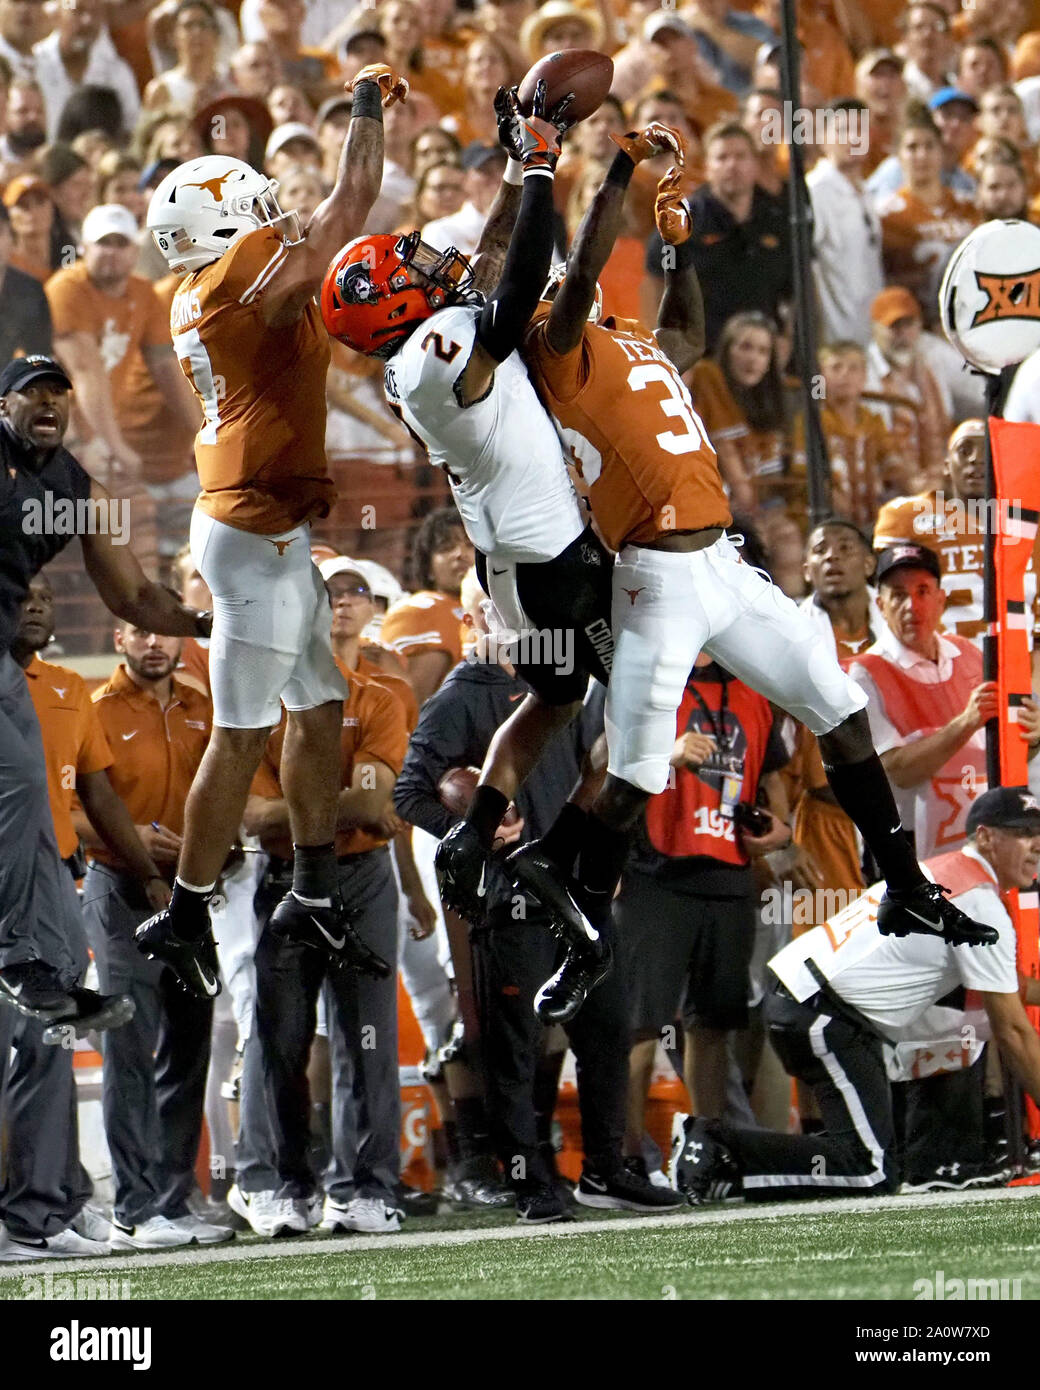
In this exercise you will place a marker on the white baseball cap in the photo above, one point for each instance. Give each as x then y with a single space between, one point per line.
108 219
289 130
376 576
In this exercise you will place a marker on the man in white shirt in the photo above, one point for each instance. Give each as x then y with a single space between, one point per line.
846 233
21 25
843 989
79 51
484 165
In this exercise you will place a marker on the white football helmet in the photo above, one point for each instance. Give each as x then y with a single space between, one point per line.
204 206
557 274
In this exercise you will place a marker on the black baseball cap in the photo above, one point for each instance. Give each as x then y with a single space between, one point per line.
22 370
1005 808
908 556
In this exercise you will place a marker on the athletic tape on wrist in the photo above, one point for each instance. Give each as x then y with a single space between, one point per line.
367 100
514 171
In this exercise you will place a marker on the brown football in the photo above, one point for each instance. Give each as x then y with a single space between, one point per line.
456 789
583 71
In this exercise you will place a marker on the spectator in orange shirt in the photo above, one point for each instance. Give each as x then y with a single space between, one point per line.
981 64
866 464
684 72
25 325
104 316
901 387
256 69
879 82
310 68
1002 190
402 25
489 65
425 627
556 25
31 210
71 184
738 393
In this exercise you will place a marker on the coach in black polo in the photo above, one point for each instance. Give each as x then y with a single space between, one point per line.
739 245
40 478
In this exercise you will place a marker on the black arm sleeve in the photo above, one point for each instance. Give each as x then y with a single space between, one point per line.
508 311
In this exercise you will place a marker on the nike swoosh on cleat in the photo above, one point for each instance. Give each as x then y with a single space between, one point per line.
596 1186
481 887
929 922
211 989
336 945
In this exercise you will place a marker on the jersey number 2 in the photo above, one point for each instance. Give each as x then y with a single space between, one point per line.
446 352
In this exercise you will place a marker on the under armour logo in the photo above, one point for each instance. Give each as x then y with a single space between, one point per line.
633 594
280 546
214 186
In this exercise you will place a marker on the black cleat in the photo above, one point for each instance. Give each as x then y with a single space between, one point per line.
462 866
623 1189
702 1169
958 1177
474 1184
539 1205
563 994
93 1013
193 962
32 988
539 879
412 1201
925 909
327 929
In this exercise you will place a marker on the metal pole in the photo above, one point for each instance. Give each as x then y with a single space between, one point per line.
804 316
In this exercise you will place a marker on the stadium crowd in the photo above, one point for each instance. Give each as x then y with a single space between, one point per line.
927 118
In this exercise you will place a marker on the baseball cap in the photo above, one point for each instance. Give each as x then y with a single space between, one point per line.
476 155
665 19
22 370
376 576
876 57
330 106
1005 808
23 184
894 303
108 219
907 556
289 130
945 95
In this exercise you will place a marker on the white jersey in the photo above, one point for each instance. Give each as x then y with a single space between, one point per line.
892 980
502 454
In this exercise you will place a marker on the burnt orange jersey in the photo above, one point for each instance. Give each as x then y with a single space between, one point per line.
424 622
148 420
261 450
761 451
627 418
956 532
916 237
73 740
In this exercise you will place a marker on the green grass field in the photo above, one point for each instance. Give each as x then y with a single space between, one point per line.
840 1250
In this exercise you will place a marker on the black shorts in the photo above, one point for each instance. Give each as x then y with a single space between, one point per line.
568 603
684 956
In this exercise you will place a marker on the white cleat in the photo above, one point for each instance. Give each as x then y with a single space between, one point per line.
371 1215
268 1214
66 1245
157 1233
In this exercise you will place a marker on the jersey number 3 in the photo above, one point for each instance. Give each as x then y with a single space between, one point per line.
676 405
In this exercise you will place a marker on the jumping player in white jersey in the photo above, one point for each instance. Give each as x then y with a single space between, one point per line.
454 378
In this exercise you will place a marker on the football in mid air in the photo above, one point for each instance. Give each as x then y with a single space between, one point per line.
583 71
456 789
989 302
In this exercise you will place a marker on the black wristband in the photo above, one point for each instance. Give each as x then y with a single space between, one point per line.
621 170
367 100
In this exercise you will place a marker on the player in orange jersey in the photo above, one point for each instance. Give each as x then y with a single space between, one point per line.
250 339
680 587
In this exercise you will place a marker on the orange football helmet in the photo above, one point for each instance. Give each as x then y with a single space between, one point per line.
370 301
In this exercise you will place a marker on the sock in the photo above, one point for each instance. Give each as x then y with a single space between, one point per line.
189 909
485 813
471 1127
863 792
600 864
451 1140
562 840
314 877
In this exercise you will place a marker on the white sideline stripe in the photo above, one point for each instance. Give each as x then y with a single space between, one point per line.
342 1245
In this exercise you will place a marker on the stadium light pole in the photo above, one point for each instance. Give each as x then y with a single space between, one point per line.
804 316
